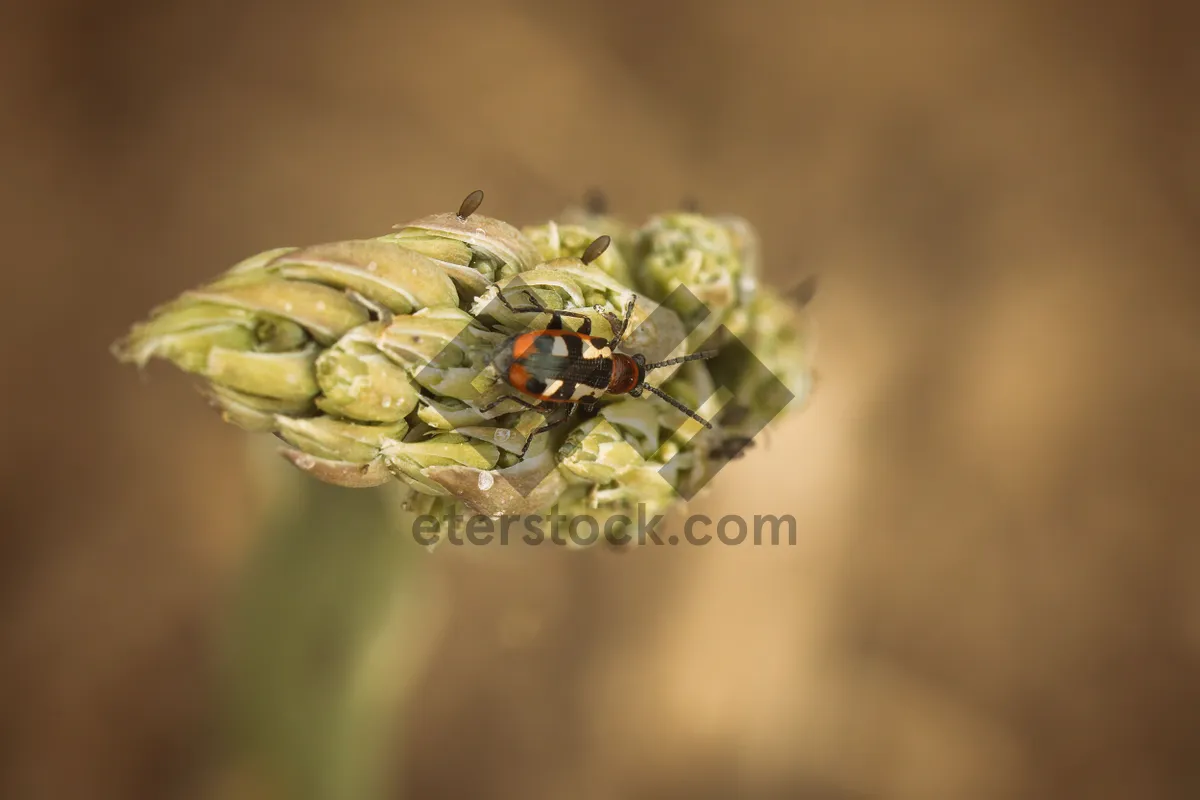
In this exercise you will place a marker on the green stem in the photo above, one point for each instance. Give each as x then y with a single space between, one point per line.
320 643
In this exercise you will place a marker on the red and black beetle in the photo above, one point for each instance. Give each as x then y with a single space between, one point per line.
562 368
559 367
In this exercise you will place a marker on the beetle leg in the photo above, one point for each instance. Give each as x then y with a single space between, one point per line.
620 328
585 328
556 323
546 427
555 316
537 308
614 324
589 405
521 401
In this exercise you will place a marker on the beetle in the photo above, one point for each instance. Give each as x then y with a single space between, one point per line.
562 368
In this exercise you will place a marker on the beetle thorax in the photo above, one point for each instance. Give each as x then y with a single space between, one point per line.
627 375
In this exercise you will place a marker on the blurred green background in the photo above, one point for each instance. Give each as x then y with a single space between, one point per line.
994 594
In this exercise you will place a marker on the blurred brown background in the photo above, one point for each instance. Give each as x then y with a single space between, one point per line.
995 593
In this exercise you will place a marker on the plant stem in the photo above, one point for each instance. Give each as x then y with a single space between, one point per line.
320 644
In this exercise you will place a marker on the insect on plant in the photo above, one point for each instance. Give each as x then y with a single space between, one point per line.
560 368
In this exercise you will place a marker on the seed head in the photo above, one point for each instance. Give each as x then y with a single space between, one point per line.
374 360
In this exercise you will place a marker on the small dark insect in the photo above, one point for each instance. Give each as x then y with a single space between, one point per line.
470 204
561 368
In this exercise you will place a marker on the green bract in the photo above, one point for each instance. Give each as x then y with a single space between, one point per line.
715 260
373 360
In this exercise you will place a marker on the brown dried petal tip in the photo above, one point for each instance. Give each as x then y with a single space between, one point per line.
595 249
470 204
802 293
595 202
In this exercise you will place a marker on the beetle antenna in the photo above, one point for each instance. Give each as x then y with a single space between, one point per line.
693 357
678 405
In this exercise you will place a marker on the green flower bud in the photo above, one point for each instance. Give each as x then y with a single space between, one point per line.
338 440
474 252
470 271
340 473
399 279
254 412
639 422
556 241
642 484
527 487
232 347
184 333
714 259
781 339
596 452
360 382
509 440
415 340
447 413
325 313
279 335
442 352
286 376
602 224
411 460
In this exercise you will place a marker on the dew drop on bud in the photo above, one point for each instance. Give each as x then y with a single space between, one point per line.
502 435
372 267
486 480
